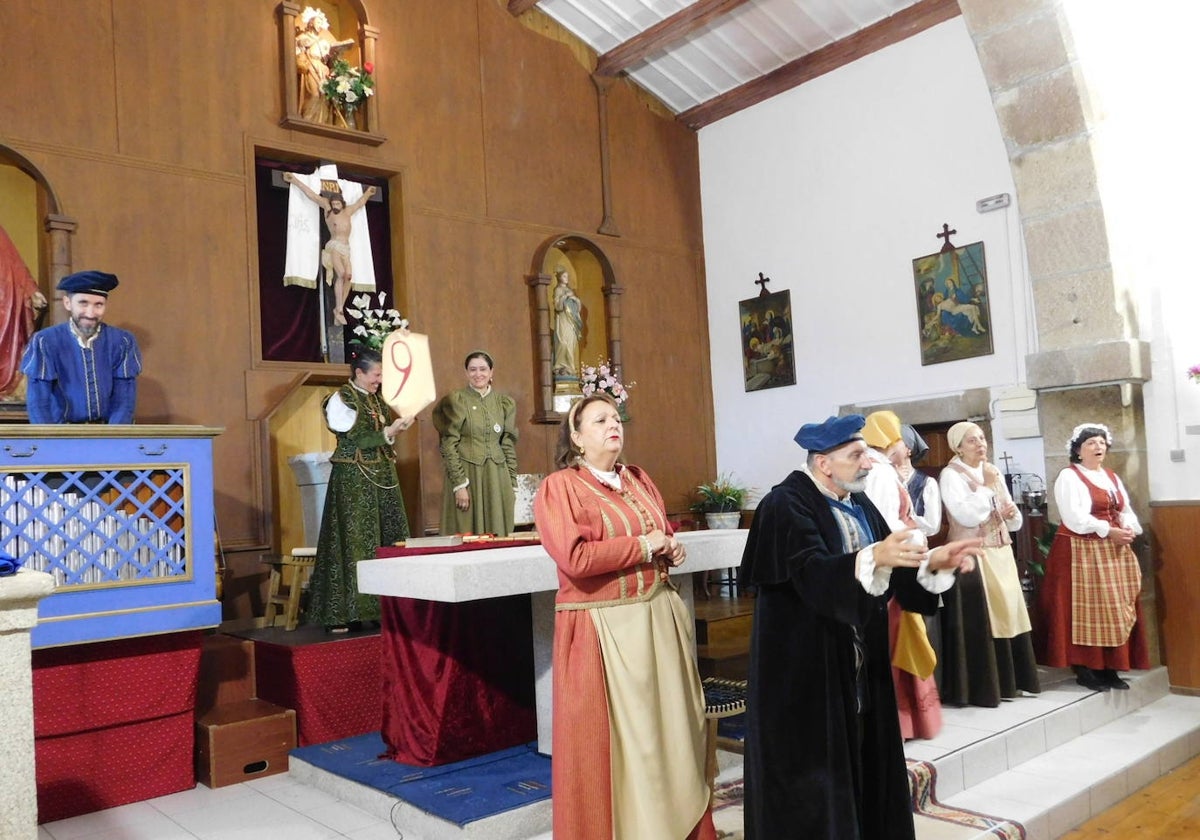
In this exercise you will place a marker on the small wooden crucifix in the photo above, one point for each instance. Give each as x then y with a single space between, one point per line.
945 234
762 282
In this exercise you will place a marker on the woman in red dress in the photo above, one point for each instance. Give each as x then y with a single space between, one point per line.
628 705
1090 594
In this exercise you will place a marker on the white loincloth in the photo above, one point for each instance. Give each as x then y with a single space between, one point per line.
302 259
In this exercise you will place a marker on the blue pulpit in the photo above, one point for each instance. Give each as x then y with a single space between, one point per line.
122 517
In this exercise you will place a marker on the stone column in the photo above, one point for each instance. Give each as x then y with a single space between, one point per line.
1090 361
19 596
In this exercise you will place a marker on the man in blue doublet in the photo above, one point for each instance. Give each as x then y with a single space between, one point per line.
82 371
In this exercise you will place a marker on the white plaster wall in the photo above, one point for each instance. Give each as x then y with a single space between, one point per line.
831 190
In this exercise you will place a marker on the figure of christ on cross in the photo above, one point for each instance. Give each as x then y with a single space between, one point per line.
336 256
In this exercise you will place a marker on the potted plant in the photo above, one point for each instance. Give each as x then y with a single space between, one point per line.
721 501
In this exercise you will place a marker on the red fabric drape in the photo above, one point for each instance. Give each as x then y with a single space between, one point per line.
17 286
334 686
113 722
457 678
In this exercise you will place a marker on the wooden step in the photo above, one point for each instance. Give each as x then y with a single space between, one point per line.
724 630
729 660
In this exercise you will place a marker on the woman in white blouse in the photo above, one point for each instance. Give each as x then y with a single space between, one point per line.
1090 593
987 649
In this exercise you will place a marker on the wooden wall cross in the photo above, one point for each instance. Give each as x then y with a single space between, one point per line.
945 234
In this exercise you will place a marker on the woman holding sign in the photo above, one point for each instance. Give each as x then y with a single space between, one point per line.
478 429
363 505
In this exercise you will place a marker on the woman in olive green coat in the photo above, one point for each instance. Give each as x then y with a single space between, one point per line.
478 429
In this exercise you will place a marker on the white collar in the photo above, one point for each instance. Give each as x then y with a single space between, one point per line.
608 479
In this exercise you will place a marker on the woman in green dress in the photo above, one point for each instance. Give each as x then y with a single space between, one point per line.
363 506
478 429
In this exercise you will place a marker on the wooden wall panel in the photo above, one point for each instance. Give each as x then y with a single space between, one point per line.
145 119
1176 532
540 136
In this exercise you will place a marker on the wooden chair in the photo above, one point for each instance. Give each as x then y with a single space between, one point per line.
722 698
300 563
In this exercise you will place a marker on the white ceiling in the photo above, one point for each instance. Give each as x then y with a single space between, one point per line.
736 46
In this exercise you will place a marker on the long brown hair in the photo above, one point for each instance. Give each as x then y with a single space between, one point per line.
567 453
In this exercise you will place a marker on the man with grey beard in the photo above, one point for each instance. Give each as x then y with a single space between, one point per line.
824 756
83 370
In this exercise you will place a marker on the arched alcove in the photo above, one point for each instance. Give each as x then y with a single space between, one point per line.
582 267
35 253
348 21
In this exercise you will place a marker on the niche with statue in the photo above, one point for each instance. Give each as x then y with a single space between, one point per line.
328 72
575 304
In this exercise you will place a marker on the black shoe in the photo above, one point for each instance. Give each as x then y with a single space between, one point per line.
1087 678
1112 679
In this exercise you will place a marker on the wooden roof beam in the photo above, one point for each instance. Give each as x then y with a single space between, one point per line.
904 24
661 35
519 7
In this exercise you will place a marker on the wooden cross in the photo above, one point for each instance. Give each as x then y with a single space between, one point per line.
1004 456
945 234
762 281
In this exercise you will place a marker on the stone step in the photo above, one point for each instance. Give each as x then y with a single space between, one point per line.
1053 761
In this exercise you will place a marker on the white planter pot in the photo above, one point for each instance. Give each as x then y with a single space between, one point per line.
723 520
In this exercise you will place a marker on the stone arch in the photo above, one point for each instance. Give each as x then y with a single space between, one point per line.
1089 362
59 227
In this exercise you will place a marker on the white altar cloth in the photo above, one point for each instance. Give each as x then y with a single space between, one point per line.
496 572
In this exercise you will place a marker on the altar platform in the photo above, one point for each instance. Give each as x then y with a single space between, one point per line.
1035 767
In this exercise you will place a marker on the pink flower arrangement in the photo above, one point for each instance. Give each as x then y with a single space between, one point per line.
1194 373
603 377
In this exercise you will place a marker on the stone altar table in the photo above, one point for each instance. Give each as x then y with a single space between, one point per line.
516 570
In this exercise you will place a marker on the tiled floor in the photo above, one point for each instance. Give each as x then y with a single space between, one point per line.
281 807
263 809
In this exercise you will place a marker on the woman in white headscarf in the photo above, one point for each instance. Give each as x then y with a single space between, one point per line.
1090 594
987 648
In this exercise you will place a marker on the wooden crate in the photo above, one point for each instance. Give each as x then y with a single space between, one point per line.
245 740
226 672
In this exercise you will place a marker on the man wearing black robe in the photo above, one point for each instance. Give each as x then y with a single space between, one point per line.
824 756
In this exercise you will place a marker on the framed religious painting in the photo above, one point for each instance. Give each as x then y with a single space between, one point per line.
953 315
768 359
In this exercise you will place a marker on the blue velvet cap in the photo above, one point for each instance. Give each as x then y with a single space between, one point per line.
834 432
88 283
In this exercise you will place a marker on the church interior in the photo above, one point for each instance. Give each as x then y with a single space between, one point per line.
748 250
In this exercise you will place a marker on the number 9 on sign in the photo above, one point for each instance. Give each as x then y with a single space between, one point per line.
407 373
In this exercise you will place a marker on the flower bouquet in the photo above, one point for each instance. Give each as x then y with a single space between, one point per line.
1194 373
603 377
374 324
347 88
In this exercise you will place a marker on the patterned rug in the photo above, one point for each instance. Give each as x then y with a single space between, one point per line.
922 779
728 816
934 821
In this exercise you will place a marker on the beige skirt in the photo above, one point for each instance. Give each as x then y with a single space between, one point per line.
656 717
1006 602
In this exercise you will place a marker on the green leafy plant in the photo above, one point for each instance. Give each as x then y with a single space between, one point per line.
1042 544
348 87
722 495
